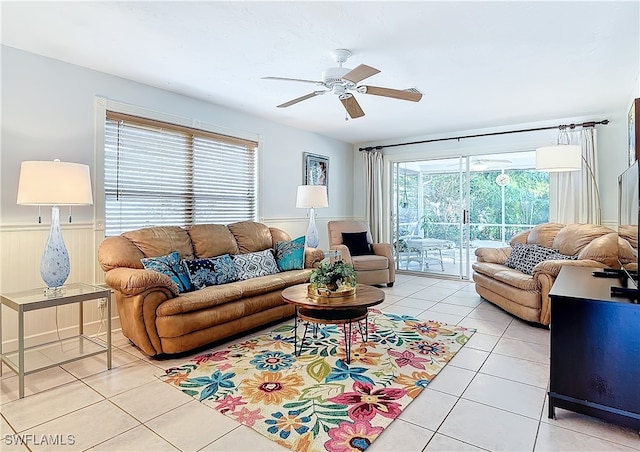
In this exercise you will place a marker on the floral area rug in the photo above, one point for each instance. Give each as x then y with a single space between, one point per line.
316 401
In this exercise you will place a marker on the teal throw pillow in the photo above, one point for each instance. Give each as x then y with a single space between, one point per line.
211 272
290 255
171 266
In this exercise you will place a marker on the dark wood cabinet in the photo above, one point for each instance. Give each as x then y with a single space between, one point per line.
595 348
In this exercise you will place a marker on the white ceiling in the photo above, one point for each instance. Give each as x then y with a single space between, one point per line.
479 64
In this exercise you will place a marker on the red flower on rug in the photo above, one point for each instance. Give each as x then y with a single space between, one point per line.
407 358
248 417
211 357
351 437
368 402
229 403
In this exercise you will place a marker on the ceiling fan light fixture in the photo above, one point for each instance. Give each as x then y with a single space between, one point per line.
334 75
340 80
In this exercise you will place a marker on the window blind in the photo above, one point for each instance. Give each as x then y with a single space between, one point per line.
161 174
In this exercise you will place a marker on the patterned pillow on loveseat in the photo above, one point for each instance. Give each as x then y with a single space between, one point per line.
525 256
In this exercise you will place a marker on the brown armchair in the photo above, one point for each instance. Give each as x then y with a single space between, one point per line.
378 267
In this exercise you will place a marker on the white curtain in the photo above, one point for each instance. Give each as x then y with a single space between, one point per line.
576 197
373 168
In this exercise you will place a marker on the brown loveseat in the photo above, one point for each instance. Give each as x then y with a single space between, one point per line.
159 320
527 296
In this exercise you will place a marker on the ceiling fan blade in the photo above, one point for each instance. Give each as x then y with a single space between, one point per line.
352 106
300 99
412 95
315 82
360 73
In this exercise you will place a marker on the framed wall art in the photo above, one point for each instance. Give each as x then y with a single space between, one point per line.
634 131
315 169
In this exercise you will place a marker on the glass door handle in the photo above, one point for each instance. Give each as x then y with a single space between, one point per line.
465 216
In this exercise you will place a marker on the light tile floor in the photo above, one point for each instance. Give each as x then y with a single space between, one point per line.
492 396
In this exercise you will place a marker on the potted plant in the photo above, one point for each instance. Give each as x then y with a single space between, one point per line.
336 278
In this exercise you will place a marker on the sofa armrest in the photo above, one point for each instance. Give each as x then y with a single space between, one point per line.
552 267
383 249
131 281
312 256
493 255
545 274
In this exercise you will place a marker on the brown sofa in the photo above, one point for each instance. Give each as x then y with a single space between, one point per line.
159 320
527 296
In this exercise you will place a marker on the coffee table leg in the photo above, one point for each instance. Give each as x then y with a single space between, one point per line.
304 336
295 332
347 341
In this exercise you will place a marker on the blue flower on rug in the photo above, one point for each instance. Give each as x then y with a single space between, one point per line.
211 384
273 361
343 372
286 423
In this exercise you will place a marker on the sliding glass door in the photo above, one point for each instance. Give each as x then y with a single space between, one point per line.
445 208
429 212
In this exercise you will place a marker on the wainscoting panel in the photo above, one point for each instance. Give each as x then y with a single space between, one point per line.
21 249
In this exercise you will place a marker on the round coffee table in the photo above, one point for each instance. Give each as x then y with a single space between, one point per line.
334 310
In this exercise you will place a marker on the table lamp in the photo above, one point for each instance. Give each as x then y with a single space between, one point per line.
311 197
54 183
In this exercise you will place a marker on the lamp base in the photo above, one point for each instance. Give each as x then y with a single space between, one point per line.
54 265
312 240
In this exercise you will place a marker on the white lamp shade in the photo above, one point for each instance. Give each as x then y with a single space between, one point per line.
559 158
54 183
312 196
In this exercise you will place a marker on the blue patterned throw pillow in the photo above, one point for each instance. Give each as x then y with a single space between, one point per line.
252 265
211 272
290 255
171 266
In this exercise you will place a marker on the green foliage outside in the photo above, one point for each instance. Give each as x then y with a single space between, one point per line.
526 203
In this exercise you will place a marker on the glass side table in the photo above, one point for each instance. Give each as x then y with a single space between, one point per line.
25 361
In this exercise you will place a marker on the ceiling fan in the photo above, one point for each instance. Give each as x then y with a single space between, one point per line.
342 81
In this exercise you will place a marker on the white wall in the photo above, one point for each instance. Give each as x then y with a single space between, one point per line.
48 112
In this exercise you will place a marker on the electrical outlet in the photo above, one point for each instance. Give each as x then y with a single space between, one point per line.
102 302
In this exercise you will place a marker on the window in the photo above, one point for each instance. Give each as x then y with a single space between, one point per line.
158 174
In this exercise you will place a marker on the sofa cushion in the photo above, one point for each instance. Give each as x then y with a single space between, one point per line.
211 272
293 277
260 285
357 243
574 237
525 256
544 234
506 275
370 262
170 265
290 254
200 299
252 265
251 236
604 249
211 240
162 240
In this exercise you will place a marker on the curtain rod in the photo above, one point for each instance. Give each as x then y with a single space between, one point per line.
560 126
